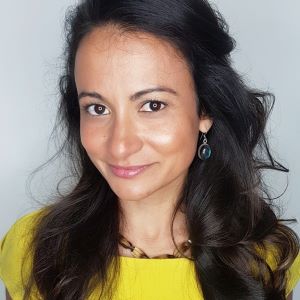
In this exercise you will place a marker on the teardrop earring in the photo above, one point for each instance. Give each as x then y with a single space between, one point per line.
204 150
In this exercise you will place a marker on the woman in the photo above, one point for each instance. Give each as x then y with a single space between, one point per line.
167 144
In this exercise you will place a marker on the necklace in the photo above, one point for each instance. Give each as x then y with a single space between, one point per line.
138 253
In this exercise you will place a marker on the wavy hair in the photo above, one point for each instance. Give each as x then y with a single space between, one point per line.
230 212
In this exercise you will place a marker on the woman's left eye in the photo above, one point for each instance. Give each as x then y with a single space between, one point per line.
154 105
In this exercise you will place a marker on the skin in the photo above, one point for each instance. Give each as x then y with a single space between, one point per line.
117 65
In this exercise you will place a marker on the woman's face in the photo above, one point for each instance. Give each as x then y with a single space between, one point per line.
158 128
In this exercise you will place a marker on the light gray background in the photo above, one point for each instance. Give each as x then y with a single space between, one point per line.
267 54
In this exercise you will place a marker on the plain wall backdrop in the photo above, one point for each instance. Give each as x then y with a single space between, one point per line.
31 38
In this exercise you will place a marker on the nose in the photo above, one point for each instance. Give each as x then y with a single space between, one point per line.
124 140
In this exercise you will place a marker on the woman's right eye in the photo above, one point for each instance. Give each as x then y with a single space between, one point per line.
95 109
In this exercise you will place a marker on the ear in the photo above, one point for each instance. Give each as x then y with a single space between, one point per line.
205 122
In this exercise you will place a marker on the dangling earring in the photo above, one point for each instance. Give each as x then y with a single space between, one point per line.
204 150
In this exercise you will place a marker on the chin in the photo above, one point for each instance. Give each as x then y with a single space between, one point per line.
135 193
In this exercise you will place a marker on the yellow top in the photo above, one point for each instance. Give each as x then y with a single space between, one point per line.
140 278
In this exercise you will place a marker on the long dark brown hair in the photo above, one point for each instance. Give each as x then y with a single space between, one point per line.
229 210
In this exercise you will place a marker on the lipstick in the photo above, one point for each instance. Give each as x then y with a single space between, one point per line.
128 172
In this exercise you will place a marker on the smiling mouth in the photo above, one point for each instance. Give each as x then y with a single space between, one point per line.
128 172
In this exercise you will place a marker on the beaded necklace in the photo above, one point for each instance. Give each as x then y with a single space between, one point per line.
138 253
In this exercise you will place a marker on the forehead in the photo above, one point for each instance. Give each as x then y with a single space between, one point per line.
110 52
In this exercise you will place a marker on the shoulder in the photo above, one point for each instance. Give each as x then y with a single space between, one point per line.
21 228
293 273
14 249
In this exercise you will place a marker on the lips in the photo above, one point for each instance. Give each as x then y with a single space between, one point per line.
128 172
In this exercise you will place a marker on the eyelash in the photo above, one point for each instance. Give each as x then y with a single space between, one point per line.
87 106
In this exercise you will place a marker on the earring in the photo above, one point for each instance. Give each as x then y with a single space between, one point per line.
204 150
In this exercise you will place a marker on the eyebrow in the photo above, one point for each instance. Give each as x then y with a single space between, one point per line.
133 97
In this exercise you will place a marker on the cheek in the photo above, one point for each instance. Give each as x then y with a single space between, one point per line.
178 138
174 139
90 139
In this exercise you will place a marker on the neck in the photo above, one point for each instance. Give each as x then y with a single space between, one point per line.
148 227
